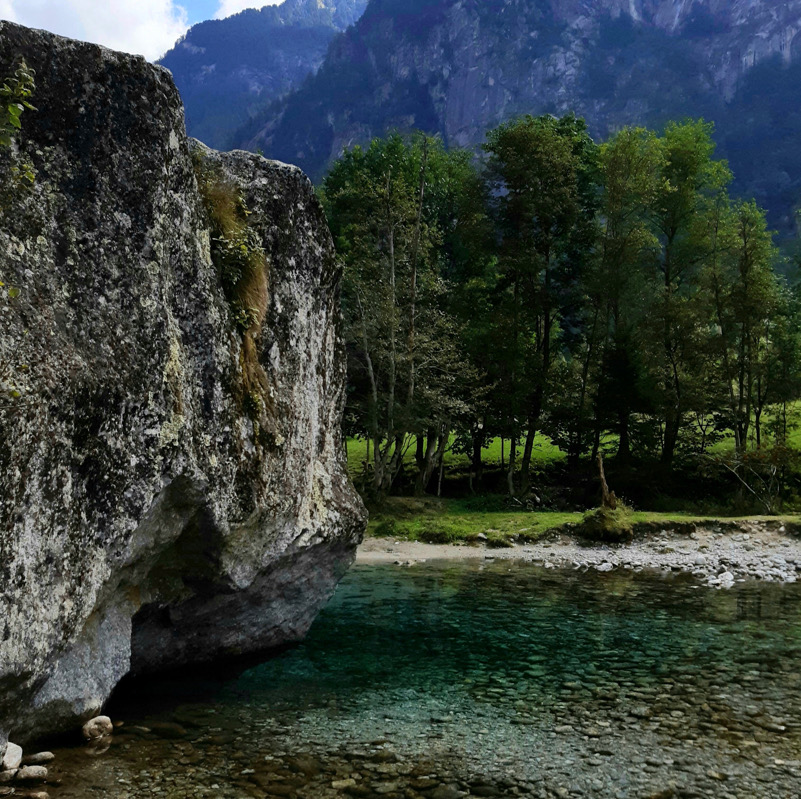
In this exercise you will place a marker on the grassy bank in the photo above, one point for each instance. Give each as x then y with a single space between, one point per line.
487 519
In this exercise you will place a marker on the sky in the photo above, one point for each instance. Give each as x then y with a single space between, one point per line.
146 27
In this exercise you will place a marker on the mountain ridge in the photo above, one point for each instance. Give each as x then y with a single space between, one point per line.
225 69
459 67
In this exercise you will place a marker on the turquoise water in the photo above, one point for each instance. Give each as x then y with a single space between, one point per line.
459 678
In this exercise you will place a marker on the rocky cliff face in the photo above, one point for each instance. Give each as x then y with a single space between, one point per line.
460 67
172 486
227 70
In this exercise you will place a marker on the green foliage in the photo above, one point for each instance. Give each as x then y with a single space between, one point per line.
253 404
16 176
607 298
542 176
244 318
15 94
236 253
448 521
468 521
236 248
241 262
394 210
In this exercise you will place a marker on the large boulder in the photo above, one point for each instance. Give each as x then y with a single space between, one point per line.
172 481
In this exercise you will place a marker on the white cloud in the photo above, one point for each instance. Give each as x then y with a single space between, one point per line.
229 7
146 27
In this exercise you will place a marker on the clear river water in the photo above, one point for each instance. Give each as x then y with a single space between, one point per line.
451 679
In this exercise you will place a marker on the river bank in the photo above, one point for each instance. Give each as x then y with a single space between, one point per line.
719 554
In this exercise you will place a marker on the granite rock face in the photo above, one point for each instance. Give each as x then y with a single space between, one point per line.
153 512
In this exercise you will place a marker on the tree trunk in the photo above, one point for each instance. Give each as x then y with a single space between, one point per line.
608 498
573 454
596 441
410 345
419 452
477 466
758 427
423 473
672 424
510 472
528 450
437 443
624 442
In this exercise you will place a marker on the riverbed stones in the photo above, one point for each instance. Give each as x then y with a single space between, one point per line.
32 774
169 729
12 757
38 759
97 728
445 792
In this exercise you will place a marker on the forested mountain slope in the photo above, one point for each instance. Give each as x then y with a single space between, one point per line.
226 69
459 67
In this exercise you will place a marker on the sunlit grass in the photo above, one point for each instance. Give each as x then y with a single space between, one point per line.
545 452
491 519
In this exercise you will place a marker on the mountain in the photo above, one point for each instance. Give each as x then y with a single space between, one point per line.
227 69
459 67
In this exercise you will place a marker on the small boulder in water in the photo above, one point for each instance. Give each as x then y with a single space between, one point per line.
32 774
726 579
97 728
12 757
38 759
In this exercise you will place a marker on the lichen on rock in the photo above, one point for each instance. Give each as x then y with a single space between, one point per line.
150 516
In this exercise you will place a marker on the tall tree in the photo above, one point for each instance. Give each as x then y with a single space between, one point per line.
384 206
632 162
542 177
691 182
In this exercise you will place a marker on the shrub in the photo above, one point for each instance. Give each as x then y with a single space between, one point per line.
385 529
607 525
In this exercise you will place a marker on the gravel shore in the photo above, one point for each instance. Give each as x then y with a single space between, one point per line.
719 557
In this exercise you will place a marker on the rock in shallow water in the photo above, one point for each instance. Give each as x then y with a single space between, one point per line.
32 774
38 758
97 728
12 758
172 488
